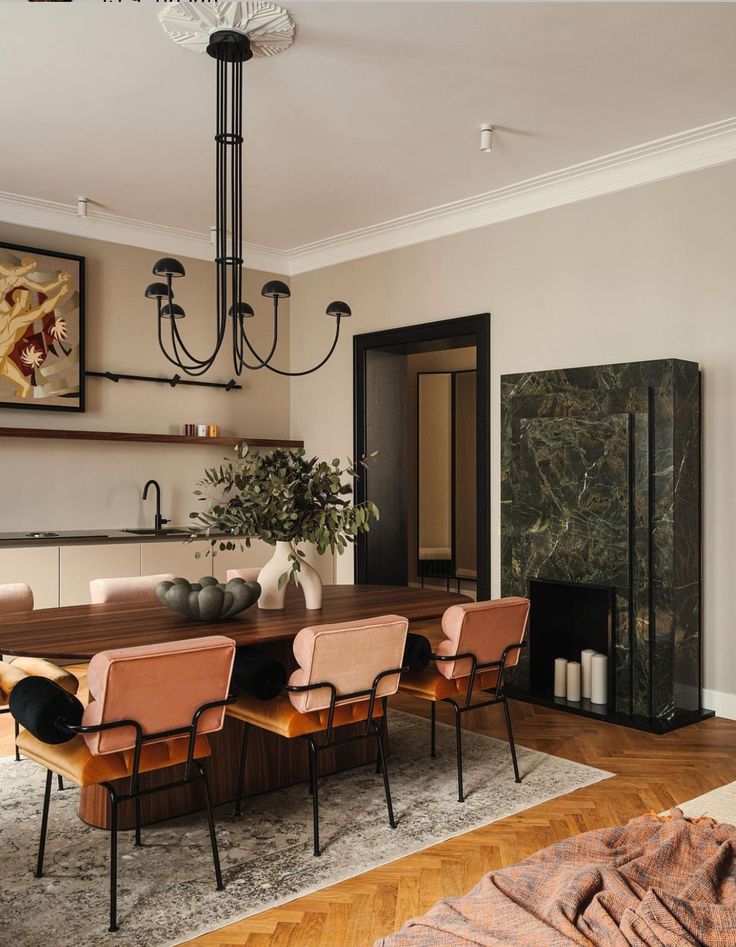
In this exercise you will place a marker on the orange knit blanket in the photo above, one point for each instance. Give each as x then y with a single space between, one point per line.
656 882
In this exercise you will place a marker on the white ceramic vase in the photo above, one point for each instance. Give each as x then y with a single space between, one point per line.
268 578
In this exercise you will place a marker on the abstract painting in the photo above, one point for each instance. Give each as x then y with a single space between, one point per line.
41 329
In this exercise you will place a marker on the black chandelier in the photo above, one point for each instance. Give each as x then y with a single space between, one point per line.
230 48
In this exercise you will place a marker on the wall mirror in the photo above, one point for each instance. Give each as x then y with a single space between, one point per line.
446 475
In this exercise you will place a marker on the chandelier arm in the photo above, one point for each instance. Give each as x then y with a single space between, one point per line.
193 370
263 362
238 346
167 356
308 371
197 362
199 367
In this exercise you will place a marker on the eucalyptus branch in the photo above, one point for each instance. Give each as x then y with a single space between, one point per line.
281 496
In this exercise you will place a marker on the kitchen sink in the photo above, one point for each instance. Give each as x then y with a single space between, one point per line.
150 531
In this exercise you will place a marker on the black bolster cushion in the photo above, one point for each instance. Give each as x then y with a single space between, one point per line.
417 652
37 704
258 674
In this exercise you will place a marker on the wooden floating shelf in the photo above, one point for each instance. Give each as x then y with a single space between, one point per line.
62 435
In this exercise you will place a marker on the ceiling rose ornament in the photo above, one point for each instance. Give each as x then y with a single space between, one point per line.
269 28
231 33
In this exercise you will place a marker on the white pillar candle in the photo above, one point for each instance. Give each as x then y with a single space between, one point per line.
560 677
599 679
585 661
573 681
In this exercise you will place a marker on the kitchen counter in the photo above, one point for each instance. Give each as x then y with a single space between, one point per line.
89 537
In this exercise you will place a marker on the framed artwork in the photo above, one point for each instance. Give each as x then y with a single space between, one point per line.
41 329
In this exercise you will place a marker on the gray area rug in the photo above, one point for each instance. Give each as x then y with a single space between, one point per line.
166 889
719 804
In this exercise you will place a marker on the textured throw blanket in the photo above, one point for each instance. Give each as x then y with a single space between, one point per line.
656 882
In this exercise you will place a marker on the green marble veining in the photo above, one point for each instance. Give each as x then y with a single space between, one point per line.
600 484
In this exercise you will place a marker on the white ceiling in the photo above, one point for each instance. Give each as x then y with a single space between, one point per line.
372 114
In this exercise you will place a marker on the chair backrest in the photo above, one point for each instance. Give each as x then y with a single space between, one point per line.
15 597
350 656
484 629
250 575
135 588
159 686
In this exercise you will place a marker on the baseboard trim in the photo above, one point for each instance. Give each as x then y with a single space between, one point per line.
722 702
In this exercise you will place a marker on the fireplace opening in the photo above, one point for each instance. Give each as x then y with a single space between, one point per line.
565 619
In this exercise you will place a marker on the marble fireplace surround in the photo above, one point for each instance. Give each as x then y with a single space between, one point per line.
600 484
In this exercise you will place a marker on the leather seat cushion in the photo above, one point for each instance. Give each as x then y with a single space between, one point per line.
9 677
281 717
39 667
74 761
431 685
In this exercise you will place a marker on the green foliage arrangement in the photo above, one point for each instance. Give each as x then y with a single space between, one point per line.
281 496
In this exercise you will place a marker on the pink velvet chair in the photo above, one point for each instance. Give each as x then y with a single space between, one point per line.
135 588
17 597
345 674
482 641
152 708
250 574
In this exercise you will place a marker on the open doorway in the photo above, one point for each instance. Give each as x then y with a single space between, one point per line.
422 402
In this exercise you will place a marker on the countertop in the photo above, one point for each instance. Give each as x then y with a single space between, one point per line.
89 537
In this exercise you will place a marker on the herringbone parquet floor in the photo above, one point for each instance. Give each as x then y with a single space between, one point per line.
652 773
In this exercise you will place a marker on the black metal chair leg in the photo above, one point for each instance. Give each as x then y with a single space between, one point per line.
507 713
241 772
60 783
433 750
311 770
137 842
213 833
314 768
44 824
384 729
16 727
113 857
386 787
459 751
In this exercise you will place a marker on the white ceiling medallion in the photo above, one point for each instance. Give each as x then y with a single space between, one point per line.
269 28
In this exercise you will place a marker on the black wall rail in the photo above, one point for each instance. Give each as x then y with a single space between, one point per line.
175 380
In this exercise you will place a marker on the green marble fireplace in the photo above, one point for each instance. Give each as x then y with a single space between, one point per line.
600 486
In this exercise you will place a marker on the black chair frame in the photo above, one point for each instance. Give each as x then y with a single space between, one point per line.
136 792
316 746
460 708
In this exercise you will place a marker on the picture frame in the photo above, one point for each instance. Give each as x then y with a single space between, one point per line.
42 329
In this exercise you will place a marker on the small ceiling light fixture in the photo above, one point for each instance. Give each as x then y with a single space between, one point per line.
486 137
231 34
81 207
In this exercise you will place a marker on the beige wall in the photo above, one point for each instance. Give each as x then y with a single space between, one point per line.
56 485
646 273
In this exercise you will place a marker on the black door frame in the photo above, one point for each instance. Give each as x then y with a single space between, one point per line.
465 330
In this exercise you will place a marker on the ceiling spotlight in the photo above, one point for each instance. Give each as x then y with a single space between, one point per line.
81 207
486 137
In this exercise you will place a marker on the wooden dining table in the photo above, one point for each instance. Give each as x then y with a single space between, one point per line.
76 633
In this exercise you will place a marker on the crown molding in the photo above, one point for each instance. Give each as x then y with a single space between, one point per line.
691 150
99 225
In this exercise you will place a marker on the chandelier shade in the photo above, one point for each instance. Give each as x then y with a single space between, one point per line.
230 48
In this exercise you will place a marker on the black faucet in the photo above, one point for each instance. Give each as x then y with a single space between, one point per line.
159 521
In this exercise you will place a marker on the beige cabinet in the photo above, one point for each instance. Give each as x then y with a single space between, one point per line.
37 566
177 558
78 565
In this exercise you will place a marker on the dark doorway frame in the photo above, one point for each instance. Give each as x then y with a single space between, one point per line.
460 332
